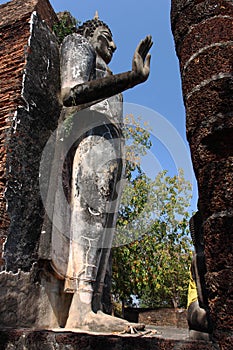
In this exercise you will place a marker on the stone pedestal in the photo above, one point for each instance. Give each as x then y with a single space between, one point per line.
58 340
203 32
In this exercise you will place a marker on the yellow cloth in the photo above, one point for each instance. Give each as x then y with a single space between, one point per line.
192 291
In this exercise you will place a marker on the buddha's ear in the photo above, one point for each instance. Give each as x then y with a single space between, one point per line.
87 32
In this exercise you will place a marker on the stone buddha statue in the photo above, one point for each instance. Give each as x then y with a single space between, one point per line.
93 167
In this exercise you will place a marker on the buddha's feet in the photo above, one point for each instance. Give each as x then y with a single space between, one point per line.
100 322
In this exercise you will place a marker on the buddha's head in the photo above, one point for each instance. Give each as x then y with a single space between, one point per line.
100 36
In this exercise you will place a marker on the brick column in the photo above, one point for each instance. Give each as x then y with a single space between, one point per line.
203 33
29 110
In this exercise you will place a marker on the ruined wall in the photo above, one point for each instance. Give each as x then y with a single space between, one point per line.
29 111
167 317
13 42
203 32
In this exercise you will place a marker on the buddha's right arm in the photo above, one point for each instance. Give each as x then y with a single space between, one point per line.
99 89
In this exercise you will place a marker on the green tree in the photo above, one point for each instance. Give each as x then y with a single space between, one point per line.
153 264
135 195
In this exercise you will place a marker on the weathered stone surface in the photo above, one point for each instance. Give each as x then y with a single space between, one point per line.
204 42
29 110
209 109
188 14
15 32
220 29
158 317
33 299
13 41
20 11
18 299
50 340
205 66
221 293
215 184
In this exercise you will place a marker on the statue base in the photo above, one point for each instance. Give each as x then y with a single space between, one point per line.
29 339
31 311
33 300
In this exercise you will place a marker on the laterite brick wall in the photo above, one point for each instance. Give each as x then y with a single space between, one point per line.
203 33
15 19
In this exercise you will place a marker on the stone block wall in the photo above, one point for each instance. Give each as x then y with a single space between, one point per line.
29 110
203 33
158 317
165 317
13 43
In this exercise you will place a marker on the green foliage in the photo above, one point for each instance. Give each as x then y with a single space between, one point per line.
67 25
137 143
133 208
153 264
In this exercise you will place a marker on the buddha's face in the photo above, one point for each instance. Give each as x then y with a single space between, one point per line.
103 43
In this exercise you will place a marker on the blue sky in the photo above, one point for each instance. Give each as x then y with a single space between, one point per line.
161 96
